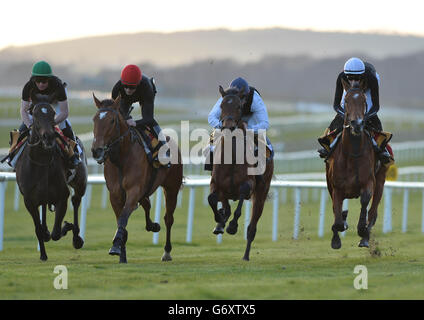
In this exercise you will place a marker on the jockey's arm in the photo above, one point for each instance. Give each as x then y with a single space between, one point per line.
215 114
261 114
373 86
25 113
147 107
63 112
338 95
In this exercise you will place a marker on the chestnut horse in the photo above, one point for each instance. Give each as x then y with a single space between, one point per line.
232 180
130 178
41 175
353 171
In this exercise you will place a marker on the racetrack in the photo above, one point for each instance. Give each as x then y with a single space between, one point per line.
306 268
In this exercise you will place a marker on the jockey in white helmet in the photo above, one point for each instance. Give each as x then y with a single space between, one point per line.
356 71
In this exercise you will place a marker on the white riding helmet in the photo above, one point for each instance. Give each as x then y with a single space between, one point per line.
354 66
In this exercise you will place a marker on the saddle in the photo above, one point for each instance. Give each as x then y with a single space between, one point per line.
150 144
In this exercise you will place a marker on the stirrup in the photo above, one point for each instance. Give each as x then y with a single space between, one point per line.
384 157
323 153
74 161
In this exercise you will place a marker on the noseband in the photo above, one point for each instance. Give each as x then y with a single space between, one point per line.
45 104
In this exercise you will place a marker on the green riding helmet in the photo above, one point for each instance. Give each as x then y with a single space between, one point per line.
42 69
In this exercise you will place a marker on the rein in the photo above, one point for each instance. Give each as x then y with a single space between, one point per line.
107 148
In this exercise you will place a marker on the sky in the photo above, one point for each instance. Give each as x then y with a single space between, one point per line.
29 22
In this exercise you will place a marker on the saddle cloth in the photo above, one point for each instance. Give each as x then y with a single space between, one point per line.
269 148
17 142
382 139
150 143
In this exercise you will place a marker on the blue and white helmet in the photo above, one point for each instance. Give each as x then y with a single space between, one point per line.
354 66
240 84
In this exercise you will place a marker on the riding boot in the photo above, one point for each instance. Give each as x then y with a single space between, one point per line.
325 142
73 155
161 141
209 160
382 153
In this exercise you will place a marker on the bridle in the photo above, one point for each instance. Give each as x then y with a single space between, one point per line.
107 148
230 117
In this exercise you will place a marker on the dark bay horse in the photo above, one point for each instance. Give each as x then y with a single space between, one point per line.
130 178
352 171
41 175
232 181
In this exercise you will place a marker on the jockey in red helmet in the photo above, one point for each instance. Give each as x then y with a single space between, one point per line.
133 87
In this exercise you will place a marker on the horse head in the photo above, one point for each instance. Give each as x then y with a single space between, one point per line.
355 108
43 115
107 127
231 108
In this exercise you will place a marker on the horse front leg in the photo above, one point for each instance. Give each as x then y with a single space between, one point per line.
244 192
60 212
77 241
46 233
33 210
339 223
121 234
363 231
213 203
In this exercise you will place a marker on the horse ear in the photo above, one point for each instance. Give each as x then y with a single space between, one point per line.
117 102
96 101
221 91
346 84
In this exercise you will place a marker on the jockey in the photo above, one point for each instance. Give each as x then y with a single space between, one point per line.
254 112
355 71
137 87
43 82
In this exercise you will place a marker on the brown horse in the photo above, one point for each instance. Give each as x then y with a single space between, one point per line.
130 178
352 171
232 180
41 175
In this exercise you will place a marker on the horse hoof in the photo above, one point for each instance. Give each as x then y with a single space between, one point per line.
166 256
78 242
123 260
115 251
231 229
363 243
363 232
43 258
55 236
246 258
219 229
336 243
66 227
154 227
46 236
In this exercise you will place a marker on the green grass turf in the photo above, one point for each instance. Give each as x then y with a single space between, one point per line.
306 268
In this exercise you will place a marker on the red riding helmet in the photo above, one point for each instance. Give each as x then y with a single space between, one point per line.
131 75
